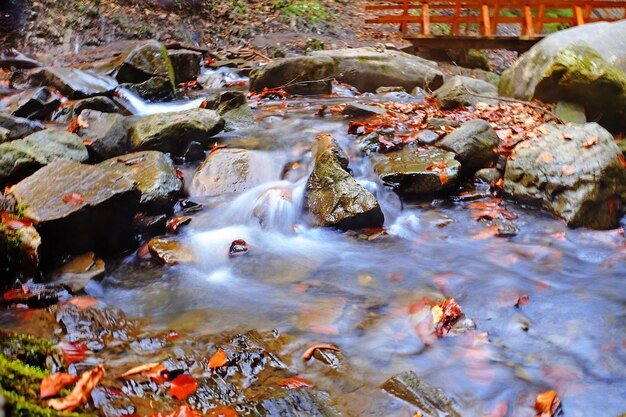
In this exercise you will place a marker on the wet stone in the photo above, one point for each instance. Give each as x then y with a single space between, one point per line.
104 134
77 272
36 104
473 143
72 82
154 89
431 401
185 63
362 110
427 137
297 403
487 175
68 111
147 226
437 123
18 127
146 61
170 252
234 108
193 151
570 112
460 91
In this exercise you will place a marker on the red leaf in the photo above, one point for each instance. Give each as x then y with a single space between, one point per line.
522 300
84 302
175 222
144 252
13 222
445 315
183 386
621 160
218 359
547 404
73 352
73 198
308 354
81 392
17 295
237 248
294 382
52 384
172 335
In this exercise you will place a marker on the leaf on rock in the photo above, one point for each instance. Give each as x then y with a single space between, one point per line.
568 170
545 157
308 354
73 198
52 384
547 404
589 142
140 369
621 160
73 352
183 386
81 392
522 300
182 411
445 315
218 359
84 302
175 222
294 382
490 210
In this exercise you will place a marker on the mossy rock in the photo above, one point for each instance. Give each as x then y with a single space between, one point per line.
28 349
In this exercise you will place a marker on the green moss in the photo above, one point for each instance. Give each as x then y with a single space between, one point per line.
28 349
170 68
308 11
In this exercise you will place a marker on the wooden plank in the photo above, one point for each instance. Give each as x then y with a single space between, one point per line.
541 14
528 21
454 28
578 13
405 12
486 26
426 19
511 43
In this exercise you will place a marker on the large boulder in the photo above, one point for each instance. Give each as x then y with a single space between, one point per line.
303 75
169 132
575 172
418 171
22 157
71 82
146 61
460 91
333 197
234 108
155 89
155 176
368 69
232 171
104 134
18 127
185 63
474 144
577 64
72 110
37 103
77 207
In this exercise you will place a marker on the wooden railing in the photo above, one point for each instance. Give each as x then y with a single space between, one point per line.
488 14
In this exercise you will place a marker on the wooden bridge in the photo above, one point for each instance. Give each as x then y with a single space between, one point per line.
464 24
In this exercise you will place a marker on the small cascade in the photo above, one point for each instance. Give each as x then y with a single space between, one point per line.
140 107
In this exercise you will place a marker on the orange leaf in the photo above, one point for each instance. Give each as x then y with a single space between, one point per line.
445 315
588 143
621 160
73 352
81 392
443 177
83 302
218 359
568 170
52 384
73 198
547 404
308 354
183 386
140 369
545 157
294 382
73 127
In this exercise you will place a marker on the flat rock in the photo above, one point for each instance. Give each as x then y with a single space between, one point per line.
473 143
36 103
155 176
234 108
170 252
22 157
362 110
72 110
72 82
418 171
104 134
169 132
78 271
458 91
333 197
156 88
79 207
303 75
232 171
18 127
574 172
367 69
185 63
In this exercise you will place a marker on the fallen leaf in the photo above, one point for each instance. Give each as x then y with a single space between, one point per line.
545 157
522 300
547 404
140 369
19 294
73 352
621 160
81 392
84 302
568 170
490 210
52 384
308 354
218 359
445 315
183 386
175 222
182 411
73 198
588 143
237 248
294 382
223 412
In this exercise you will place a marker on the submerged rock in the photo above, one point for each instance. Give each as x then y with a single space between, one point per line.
104 134
20 158
72 82
37 103
100 103
170 252
77 208
78 271
154 89
368 69
234 108
233 171
431 401
146 61
155 176
169 132
18 127
418 171
457 91
474 144
575 172
333 197
303 75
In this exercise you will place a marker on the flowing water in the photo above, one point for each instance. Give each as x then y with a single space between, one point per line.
323 285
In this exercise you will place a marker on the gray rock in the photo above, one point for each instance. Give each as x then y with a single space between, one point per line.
170 132
418 171
154 89
386 90
362 110
487 175
303 75
431 401
234 108
333 197
18 127
457 92
473 143
155 176
72 82
22 157
298 402
38 103
100 103
146 61
427 137
368 69
437 123
185 63
4 135
104 134
572 171
232 171
570 112
78 207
